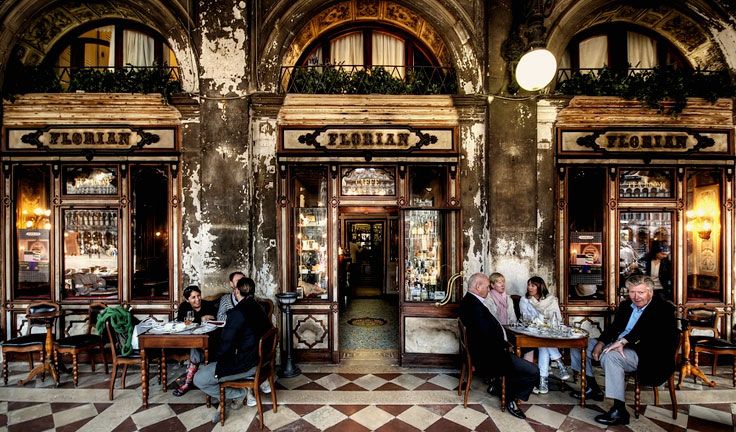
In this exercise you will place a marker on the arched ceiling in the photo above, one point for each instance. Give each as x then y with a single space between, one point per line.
675 21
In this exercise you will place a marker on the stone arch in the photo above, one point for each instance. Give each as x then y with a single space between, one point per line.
691 27
32 27
445 32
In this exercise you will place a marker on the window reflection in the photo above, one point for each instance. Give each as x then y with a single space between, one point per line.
33 227
150 220
90 181
644 249
90 252
367 182
646 184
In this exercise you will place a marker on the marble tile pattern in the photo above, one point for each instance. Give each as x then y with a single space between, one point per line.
344 398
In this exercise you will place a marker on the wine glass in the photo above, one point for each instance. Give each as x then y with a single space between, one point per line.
189 318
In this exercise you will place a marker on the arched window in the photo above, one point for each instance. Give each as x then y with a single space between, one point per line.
115 44
621 47
366 46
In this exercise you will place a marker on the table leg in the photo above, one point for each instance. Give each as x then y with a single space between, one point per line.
583 360
206 356
144 378
47 365
163 370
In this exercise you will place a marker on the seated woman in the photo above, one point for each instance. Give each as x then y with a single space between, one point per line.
203 311
538 303
499 302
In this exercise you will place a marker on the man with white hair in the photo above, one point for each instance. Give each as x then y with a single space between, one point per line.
642 338
489 348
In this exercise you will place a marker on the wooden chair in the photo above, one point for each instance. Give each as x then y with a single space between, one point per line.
134 358
267 306
467 369
670 385
265 370
30 343
707 317
88 342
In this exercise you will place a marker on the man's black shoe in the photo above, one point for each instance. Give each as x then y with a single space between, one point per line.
515 410
616 416
494 389
590 394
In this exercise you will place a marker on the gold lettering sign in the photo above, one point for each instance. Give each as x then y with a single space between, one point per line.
98 138
641 141
373 139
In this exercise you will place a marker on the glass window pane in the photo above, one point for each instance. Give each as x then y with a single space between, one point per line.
646 183
90 181
423 260
644 248
310 187
150 229
427 186
90 263
311 252
367 182
586 193
33 222
703 227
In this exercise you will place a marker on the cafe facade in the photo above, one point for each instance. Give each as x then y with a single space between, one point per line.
270 161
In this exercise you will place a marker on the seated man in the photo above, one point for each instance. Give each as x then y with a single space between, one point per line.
642 338
489 347
237 354
228 300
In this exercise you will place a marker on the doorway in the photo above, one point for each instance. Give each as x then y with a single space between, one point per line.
369 312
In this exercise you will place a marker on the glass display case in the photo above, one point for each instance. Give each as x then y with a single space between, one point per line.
311 252
586 264
90 263
423 255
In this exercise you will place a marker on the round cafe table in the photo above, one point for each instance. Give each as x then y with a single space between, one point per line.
48 318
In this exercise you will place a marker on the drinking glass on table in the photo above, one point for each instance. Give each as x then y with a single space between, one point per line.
189 318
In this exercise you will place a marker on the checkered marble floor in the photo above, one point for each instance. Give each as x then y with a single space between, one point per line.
343 398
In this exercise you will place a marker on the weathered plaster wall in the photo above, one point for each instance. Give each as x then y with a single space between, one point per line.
514 194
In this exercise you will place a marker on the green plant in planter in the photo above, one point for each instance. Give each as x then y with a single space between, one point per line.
653 86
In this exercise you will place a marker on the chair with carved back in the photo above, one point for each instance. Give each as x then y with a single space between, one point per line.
267 306
134 358
29 343
87 342
265 371
467 369
705 319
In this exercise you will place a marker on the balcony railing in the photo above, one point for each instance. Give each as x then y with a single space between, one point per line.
650 86
358 79
100 79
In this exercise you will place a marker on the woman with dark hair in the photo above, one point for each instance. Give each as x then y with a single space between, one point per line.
539 304
658 266
203 311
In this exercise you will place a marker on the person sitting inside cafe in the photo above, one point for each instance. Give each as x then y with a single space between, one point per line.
228 301
489 347
203 310
641 339
236 356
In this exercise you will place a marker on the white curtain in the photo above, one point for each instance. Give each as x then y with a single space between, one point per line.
315 57
347 50
593 52
388 51
137 49
111 52
642 50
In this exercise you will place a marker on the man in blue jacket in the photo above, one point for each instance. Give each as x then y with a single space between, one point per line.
237 353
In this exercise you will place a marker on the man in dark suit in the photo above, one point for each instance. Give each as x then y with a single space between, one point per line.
488 346
642 338
237 353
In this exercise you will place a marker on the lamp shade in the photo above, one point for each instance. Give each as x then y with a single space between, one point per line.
536 69
286 298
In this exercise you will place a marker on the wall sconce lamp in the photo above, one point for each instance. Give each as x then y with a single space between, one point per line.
700 221
537 67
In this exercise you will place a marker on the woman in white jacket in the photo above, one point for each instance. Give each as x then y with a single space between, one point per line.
538 303
499 302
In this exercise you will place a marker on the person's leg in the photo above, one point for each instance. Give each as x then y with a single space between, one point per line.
522 378
543 362
615 367
575 358
233 393
205 380
196 356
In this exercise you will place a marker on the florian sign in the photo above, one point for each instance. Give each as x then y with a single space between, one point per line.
90 138
644 141
367 139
